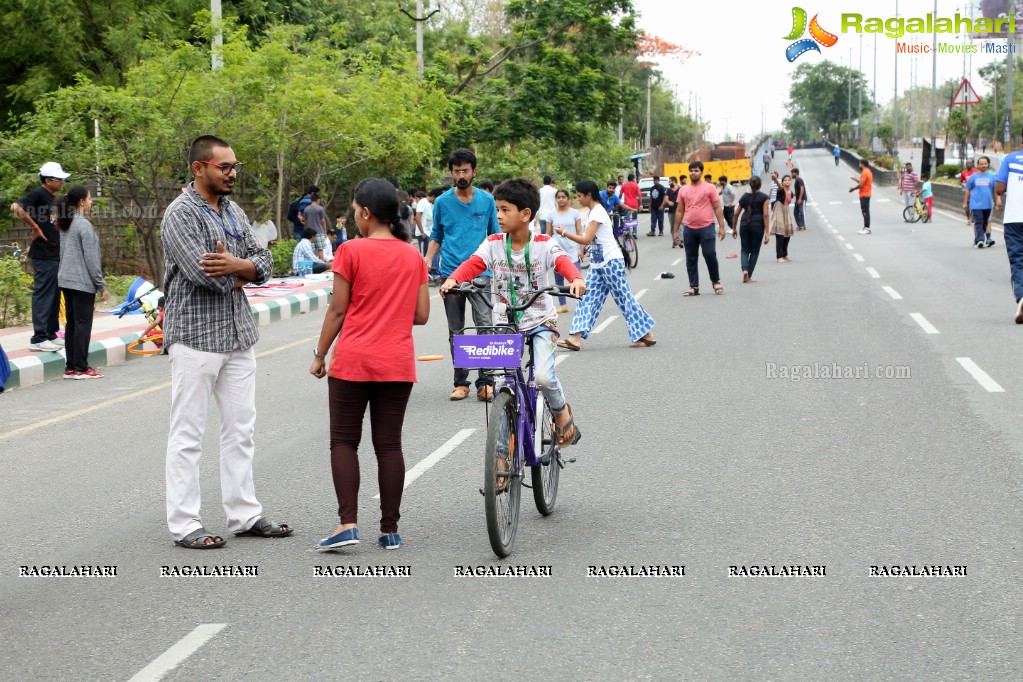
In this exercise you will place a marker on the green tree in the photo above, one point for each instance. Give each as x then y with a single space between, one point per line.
959 130
820 93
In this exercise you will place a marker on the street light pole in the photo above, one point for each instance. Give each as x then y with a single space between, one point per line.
859 97
934 88
1010 66
648 79
873 116
848 81
895 102
218 38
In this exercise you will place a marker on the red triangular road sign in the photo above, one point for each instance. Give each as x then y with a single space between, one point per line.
965 95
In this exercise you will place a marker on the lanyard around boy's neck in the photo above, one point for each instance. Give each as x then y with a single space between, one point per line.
529 273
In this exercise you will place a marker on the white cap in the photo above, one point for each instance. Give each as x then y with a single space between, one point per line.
52 169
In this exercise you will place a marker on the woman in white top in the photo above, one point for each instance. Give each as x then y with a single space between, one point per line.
567 217
605 276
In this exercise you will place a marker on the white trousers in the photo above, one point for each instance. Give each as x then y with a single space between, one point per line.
231 379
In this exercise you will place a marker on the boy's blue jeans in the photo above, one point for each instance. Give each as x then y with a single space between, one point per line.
544 345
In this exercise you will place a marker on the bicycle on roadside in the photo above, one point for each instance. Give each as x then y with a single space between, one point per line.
520 424
916 212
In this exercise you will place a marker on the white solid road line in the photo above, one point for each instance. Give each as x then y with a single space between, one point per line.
873 273
603 325
177 654
859 257
980 375
640 294
849 246
893 293
922 321
434 457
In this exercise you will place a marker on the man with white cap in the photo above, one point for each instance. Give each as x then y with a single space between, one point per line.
36 210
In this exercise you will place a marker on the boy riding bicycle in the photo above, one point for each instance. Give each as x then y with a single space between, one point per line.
520 261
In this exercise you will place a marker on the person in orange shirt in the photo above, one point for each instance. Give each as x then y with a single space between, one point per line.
864 184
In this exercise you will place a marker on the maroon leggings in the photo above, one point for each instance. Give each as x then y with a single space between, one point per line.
387 402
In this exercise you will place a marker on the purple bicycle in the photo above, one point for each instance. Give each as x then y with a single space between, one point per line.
520 424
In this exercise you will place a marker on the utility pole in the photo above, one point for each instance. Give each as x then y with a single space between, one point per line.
419 19
648 79
849 87
859 96
1010 66
895 102
873 116
218 38
934 89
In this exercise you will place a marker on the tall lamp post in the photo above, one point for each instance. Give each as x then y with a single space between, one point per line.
217 60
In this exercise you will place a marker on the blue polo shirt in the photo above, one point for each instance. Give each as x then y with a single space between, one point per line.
461 227
982 191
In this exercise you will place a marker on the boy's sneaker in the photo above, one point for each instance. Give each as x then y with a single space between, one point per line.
390 541
90 374
44 347
1019 312
70 374
989 243
978 245
342 539
865 230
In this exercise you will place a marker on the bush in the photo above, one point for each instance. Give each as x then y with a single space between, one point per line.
282 250
15 293
948 170
118 286
885 162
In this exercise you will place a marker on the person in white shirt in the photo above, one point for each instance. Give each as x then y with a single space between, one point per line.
548 204
569 218
605 276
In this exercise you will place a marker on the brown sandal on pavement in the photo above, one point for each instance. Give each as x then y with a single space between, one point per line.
460 393
718 289
692 291
643 343
568 345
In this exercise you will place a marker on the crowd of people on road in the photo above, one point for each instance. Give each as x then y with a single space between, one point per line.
508 240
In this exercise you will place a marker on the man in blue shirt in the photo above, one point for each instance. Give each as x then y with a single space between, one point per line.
462 219
979 200
837 153
1009 181
296 208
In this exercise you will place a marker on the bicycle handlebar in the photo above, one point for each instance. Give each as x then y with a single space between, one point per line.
466 288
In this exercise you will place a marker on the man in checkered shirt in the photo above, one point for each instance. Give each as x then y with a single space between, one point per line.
209 332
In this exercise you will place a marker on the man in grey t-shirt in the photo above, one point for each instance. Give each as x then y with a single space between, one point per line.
315 217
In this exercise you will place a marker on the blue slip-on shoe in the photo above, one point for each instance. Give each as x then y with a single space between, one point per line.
390 541
342 539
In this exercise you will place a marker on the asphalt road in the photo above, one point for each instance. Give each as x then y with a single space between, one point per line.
692 455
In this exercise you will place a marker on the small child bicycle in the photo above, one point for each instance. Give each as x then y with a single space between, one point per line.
520 426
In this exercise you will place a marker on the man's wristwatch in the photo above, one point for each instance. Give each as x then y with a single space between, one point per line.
318 354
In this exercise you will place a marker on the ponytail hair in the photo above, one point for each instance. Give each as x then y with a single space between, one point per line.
68 204
381 198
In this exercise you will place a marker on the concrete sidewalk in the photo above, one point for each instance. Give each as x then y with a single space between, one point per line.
112 335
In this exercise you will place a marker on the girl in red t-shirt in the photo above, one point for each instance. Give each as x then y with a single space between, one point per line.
380 291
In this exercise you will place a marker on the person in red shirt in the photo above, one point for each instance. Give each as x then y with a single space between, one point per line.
380 291
964 175
630 197
864 185
699 206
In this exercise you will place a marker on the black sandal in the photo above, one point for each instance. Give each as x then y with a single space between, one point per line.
693 291
197 540
265 528
561 433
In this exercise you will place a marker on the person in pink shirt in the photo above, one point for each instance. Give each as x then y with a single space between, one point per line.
698 206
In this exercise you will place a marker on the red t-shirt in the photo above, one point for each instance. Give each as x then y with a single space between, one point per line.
698 201
376 337
965 175
630 195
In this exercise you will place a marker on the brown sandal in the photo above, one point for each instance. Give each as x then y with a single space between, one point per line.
570 433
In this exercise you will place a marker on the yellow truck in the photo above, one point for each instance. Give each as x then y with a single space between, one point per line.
736 171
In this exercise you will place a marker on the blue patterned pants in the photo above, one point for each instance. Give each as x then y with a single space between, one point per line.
610 279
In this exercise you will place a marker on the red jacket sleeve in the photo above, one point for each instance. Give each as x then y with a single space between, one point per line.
564 266
469 269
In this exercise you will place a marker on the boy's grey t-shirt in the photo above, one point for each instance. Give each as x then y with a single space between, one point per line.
314 215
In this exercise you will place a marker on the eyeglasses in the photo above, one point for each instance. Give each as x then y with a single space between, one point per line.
225 168
461 172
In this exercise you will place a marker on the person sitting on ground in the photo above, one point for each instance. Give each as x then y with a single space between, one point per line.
509 254
304 251
157 324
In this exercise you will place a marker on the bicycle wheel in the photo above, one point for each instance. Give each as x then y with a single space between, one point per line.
910 215
626 250
138 347
502 488
925 216
634 251
545 476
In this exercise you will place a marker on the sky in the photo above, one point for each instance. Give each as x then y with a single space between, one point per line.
742 65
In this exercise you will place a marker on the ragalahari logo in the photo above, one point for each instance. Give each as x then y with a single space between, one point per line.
819 35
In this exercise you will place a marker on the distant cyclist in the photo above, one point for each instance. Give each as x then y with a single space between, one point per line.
837 153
